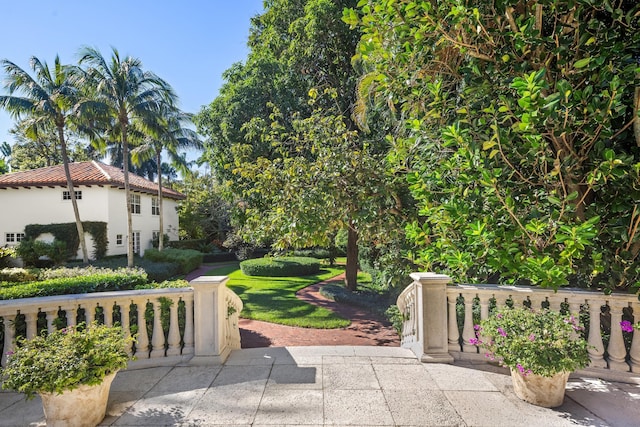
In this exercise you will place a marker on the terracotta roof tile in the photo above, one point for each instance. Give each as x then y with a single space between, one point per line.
83 173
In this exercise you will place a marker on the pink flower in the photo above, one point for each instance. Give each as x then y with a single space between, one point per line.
626 326
474 341
502 332
477 327
499 315
532 337
520 368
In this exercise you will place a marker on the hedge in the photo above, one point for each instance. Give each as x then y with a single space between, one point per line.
16 275
188 259
281 266
100 282
195 244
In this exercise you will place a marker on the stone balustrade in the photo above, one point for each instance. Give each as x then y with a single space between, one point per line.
170 325
423 303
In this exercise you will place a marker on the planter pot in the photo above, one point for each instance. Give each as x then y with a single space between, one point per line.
539 390
83 406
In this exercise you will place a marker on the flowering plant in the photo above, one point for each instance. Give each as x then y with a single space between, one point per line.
65 359
540 342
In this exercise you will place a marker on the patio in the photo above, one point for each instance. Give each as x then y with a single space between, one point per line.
340 385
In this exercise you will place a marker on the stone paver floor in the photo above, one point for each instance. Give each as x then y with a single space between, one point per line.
338 386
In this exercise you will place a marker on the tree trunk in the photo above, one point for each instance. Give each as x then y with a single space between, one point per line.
72 195
351 270
161 212
125 167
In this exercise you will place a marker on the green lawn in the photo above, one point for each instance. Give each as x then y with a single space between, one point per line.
273 299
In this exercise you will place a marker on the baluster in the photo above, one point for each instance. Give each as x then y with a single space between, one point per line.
89 314
125 322
467 331
635 342
188 325
596 347
107 312
574 310
51 316
555 303
72 313
454 334
31 319
616 350
174 331
157 340
142 341
9 336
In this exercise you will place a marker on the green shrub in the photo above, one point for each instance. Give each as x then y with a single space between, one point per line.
16 275
313 253
122 279
195 244
281 267
187 259
161 271
6 253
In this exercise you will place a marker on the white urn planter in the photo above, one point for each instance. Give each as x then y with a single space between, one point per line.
538 390
82 406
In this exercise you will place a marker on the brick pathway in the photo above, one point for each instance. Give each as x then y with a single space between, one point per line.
365 328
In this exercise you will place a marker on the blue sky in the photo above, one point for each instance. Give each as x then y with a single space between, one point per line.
189 43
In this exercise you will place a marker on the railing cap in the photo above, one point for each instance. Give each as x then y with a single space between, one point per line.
430 278
213 281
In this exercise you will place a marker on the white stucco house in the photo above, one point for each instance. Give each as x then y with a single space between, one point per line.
40 196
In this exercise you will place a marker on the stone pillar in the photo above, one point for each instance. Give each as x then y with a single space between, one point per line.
432 317
209 315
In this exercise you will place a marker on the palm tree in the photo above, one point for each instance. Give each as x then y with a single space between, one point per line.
49 99
128 95
169 135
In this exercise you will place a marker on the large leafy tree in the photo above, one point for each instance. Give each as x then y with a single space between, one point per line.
126 94
518 123
297 48
172 135
50 100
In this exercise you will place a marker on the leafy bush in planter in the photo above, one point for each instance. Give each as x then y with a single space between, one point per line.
6 253
187 259
281 267
66 359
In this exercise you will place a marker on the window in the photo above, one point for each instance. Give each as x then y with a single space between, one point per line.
155 206
135 203
67 196
155 235
136 242
13 237
119 239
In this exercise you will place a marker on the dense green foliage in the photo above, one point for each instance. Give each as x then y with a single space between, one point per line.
103 281
6 253
280 266
65 359
516 124
273 299
187 259
31 250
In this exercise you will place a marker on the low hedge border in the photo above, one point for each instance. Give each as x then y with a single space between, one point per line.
281 266
100 282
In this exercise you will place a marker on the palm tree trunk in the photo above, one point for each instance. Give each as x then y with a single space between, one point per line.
125 167
351 270
161 212
72 194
